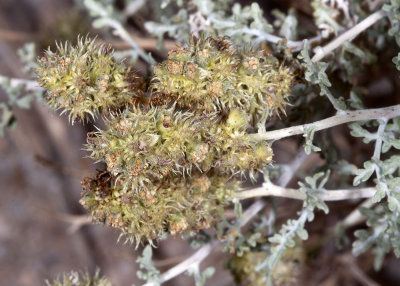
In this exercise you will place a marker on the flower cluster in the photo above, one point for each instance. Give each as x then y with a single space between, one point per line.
212 75
143 147
177 204
85 80
80 279
173 152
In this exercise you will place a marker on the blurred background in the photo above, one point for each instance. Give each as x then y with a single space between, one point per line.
43 228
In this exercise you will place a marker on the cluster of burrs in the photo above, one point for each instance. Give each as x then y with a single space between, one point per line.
80 279
175 145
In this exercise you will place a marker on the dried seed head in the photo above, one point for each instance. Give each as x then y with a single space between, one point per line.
175 205
76 279
219 77
83 80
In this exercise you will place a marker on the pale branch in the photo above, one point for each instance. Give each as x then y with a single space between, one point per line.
379 140
290 169
296 46
251 212
29 84
144 42
321 52
120 31
180 268
270 189
356 217
75 221
13 36
352 268
133 7
342 117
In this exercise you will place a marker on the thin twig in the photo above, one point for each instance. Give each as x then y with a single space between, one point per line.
353 269
145 43
12 36
270 189
251 211
29 84
120 31
290 169
169 261
379 140
75 221
350 34
133 7
356 217
341 118
180 268
107 20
